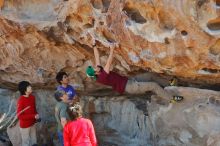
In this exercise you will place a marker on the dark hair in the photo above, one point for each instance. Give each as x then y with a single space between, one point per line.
74 111
58 94
59 76
22 87
100 67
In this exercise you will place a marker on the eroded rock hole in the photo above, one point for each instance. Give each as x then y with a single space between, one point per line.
214 24
51 35
134 15
106 4
168 27
69 30
217 3
201 2
88 25
61 26
67 21
211 70
166 40
184 33
96 4
101 23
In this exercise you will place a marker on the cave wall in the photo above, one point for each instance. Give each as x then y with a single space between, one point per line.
135 120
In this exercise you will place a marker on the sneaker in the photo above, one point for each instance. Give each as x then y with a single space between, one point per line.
177 98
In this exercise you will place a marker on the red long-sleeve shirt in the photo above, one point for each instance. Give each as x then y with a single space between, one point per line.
27 117
79 133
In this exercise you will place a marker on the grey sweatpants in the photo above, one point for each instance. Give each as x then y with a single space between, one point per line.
28 136
137 87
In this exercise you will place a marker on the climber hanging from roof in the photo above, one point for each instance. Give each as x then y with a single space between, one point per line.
123 84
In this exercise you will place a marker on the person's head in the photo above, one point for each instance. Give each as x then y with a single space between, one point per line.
61 95
74 111
62 78
24 88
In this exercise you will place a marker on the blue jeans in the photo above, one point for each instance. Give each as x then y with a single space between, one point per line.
60 137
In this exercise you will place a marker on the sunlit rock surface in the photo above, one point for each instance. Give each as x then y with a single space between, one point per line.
172 37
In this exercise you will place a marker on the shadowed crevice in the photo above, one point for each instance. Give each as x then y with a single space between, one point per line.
214 24
134 15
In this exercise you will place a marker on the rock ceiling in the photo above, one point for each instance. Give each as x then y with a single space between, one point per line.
38 38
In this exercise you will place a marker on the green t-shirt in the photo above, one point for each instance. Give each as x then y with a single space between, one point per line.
60 112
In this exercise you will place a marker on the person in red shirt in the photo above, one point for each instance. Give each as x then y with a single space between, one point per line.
79 131
123 84
27 114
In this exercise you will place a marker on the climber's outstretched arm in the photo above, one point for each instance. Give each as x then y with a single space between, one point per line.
97 57
110 58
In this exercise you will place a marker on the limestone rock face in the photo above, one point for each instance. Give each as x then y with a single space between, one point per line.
138 121
172 37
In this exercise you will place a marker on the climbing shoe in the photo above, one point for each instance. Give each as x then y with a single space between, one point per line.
176 99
